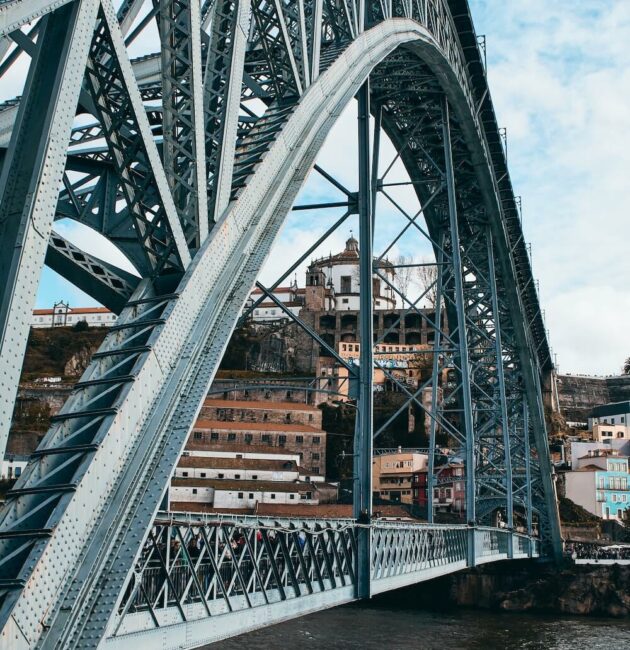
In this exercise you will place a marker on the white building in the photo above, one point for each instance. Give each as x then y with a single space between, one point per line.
617 413
332 283
266 311
211 476
339 274
239 494
12 466
62 315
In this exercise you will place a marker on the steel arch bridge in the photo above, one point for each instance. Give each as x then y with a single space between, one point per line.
188 161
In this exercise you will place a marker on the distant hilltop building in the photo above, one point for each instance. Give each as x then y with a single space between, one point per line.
332 284
62 315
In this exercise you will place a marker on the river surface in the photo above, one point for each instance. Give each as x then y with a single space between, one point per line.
380 625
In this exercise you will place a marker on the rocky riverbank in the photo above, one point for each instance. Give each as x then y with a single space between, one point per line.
529 586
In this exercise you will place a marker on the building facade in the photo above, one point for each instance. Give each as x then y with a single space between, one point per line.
292 426
392 474
600 483
225 477
449 492
617 413
62 315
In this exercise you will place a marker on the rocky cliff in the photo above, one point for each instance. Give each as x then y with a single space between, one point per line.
580 590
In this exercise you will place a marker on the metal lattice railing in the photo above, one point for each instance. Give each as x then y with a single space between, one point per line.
194 567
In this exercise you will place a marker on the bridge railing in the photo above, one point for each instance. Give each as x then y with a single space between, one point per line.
194 567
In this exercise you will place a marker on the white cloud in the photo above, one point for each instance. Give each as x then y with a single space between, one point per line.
560 80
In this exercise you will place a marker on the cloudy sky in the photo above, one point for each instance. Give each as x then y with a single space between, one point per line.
560 79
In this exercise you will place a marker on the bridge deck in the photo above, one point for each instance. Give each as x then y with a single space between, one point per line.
203 579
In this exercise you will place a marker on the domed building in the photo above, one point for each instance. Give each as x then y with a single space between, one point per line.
333 282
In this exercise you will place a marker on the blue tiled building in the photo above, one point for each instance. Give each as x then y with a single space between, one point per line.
600 483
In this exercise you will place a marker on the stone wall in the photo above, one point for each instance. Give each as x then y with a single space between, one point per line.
578 395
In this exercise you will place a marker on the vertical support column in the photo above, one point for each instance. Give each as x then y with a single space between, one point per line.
509 497
362 500
31 177
435 386
466 401
528 472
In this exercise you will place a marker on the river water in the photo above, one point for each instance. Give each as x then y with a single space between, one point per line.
385 625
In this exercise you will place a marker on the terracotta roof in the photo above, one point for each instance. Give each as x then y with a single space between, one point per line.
73 310
589 468
215 462
231 447
193 506
257 426
244 486
276 290
326 510
259 404
604 453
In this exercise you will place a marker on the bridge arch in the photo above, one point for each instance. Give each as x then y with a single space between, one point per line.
205 307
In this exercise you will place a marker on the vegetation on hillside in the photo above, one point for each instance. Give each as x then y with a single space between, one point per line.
50 349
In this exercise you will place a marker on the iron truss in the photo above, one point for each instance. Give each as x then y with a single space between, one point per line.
188 161
195 576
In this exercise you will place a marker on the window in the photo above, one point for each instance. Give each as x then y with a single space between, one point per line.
194 491
237 476
273 496
310 417
221 475
214 435
316 440
203 475
251 495
344 301
266 437
248 437
315 470
231 437
197 435
184 473
315 456
254 477
282 440
291 496
346 284
288 394
299 439
240 495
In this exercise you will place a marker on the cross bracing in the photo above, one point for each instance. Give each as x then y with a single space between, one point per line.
188 161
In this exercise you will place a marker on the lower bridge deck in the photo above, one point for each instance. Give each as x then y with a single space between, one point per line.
202 579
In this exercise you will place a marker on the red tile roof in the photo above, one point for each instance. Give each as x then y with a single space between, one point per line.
237 448
215 462
256 426
326 510
243 486
258 405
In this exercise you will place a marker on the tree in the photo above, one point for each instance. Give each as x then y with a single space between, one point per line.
626 366
427 276
404 273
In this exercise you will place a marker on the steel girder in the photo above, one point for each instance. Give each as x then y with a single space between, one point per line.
75 524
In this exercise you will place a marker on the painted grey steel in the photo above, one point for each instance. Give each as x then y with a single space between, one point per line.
74 528
198 575
364 426
31 176
462 334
